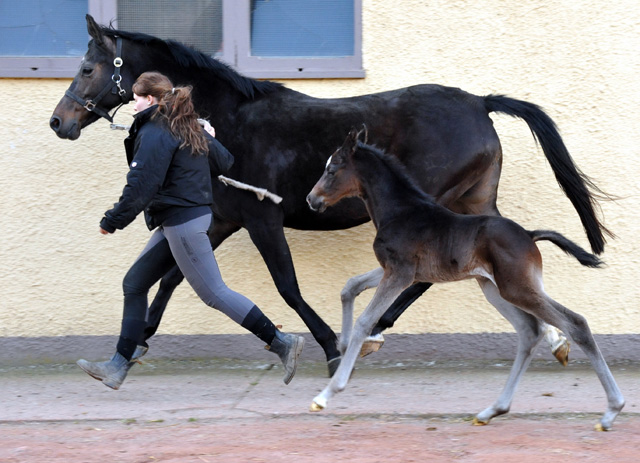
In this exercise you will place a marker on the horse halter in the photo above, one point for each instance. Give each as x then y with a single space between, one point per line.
114 87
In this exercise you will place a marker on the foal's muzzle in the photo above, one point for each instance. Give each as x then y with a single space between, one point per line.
316 203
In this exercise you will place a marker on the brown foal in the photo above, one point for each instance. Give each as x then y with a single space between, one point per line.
419 241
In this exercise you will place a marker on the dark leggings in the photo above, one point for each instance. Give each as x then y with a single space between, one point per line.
187 245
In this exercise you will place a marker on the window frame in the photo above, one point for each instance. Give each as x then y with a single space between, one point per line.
55 66
236 23
236 31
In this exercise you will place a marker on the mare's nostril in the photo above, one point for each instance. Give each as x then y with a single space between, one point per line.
55 123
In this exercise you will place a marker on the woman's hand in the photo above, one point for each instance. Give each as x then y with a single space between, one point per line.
208 127
104 232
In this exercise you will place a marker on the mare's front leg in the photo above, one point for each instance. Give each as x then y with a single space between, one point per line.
530 333
268 236
220 230
390 287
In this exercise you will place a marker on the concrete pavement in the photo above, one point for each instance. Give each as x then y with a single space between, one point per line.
179 391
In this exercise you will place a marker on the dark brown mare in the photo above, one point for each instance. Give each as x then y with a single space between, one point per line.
419 240
280 139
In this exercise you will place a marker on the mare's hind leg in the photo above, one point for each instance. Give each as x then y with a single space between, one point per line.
387 291
530 333
351 290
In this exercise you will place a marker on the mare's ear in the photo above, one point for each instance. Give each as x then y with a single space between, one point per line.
94 29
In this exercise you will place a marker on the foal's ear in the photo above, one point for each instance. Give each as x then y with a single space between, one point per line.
364 131
352 139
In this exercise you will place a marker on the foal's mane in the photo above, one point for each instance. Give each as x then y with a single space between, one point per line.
188 57
397 169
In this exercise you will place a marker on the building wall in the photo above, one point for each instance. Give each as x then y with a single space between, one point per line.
578 60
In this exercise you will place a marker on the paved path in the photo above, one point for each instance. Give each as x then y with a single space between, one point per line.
221 410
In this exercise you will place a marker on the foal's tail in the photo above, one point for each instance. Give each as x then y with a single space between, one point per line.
578 187
585 258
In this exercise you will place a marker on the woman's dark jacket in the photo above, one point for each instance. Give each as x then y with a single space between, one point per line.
163 178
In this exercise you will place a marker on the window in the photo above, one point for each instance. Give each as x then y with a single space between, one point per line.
259 38
297 38
197 23
42 37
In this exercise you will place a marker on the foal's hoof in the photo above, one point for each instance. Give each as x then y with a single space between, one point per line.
600 428
316 407
371 344
478 422
333 365
561 351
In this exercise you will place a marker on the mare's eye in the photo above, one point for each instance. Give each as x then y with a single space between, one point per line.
86 71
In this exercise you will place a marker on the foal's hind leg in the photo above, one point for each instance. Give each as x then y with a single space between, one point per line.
530 333
576 326
351 290
559 344
480 199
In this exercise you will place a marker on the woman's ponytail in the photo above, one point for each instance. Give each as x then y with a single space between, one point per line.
176 108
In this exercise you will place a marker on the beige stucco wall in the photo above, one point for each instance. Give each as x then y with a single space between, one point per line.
579 60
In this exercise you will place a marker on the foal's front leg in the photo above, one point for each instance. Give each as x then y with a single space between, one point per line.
351 290
387 291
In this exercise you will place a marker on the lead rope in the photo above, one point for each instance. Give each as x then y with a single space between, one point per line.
261 193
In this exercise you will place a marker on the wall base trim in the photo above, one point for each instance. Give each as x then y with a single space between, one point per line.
424 347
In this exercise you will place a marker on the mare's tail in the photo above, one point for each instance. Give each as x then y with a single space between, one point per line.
585 258
579 188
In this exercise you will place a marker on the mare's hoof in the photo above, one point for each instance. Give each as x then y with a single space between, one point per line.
561 352
477 422
598 427
371 344
333 365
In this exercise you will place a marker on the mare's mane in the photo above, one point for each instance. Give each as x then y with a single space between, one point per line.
397 169
187 57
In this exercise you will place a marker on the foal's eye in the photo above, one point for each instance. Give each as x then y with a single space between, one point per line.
87 71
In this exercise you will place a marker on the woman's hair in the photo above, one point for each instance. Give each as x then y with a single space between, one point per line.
176 108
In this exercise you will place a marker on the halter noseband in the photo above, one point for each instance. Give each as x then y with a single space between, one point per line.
114 87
